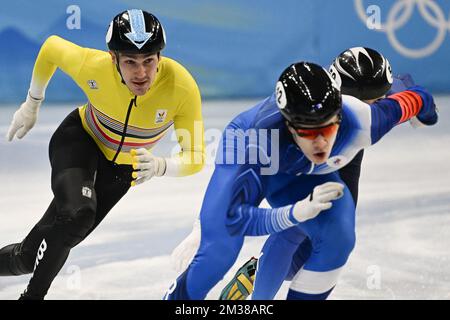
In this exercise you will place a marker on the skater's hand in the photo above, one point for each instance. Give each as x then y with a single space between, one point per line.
183 254
318 201
146 166
24 118
401 83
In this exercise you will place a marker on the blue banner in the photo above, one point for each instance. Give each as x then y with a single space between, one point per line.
235 48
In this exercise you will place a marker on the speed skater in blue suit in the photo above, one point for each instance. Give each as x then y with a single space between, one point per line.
305 132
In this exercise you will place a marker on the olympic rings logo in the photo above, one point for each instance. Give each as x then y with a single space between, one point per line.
435 19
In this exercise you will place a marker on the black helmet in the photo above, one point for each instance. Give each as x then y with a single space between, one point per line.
307 95
135 31
363 73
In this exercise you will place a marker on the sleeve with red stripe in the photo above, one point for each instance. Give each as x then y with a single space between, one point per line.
400 107
410 104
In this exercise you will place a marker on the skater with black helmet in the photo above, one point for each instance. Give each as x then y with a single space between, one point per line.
134 95
319 132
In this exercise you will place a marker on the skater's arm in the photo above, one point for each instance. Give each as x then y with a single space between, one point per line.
55 53
401 107
232 192
190 134
235 192
254 221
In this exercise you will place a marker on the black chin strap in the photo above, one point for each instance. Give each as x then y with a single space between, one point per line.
116 53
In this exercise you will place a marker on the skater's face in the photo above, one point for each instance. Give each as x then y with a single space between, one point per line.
316 142
138 70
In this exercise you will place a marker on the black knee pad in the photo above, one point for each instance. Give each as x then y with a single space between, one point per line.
14 261
76 203
76 225
73 187
77 217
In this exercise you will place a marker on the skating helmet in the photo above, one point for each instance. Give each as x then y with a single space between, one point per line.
363 73
135 31
306 94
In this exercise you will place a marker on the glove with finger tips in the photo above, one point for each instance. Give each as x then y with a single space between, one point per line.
24 118
146 166
319 200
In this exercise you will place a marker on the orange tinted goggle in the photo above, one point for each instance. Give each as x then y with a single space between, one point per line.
312 133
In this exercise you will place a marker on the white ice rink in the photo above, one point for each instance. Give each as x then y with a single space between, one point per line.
403 218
